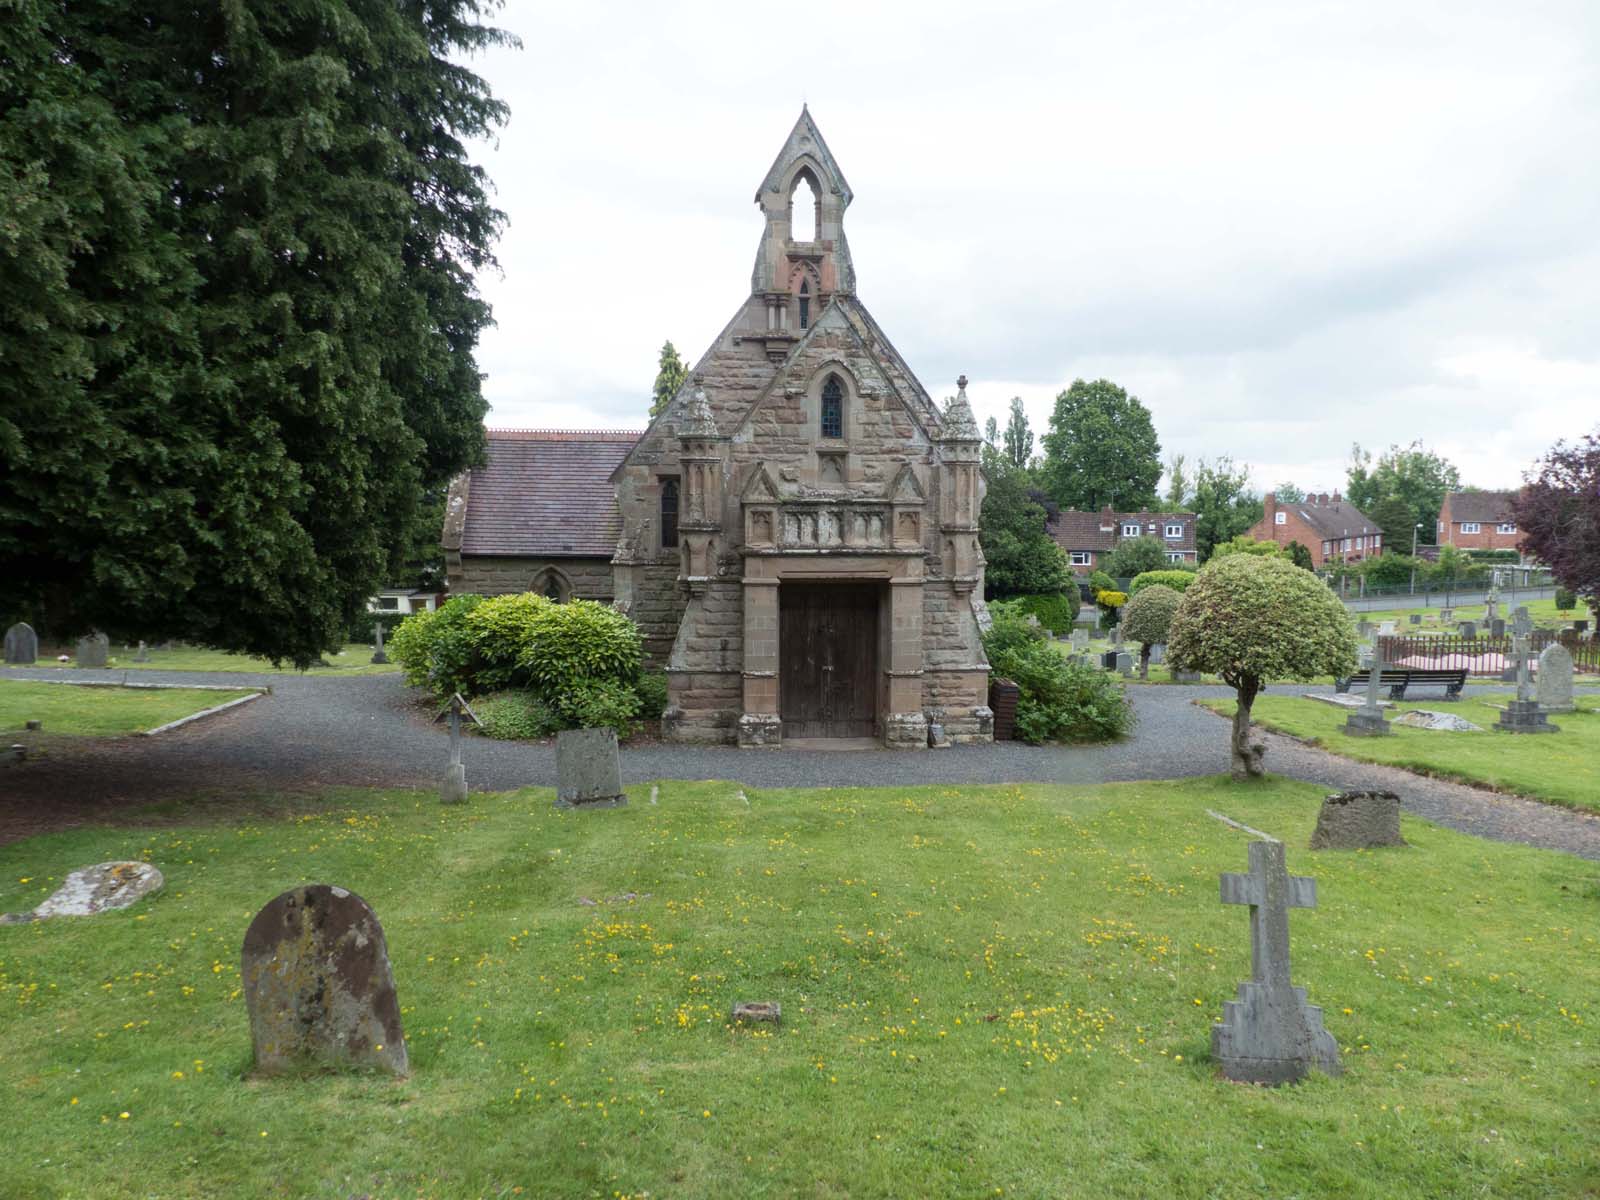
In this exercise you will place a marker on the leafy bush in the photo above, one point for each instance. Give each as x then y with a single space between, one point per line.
1059 701
1134 556
502 628
515 716
1055 610
1245 544
598 702
1173 578
1300 556
580 640
1565 601
1145 619
652 689
436 649
1391 570
1495 556
1111 600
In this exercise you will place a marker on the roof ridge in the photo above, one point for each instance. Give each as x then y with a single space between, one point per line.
566 435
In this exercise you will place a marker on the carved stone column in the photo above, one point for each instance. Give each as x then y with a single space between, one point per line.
700 514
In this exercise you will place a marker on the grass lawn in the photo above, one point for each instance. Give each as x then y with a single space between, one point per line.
1563 768
354 659
99 710
1000 991
1543 613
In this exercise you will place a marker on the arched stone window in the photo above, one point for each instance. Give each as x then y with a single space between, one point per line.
669 514
832 424
805 304
552 584
805 208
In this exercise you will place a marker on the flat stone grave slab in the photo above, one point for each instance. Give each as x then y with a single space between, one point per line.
588 769
1343 700
318 985
97 889
1424 718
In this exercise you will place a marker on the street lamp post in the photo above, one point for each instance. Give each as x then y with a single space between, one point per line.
1415 529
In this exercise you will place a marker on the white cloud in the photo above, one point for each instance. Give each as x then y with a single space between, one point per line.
1285 227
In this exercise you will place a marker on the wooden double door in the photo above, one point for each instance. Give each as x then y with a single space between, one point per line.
828 659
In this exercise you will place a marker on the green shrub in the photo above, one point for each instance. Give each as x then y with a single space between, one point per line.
1099 581
1059 701
652 690
594 703
1173 578
515 716
580 640
1146 619
1055 610
436 650
1494 556
1391 570
1565 601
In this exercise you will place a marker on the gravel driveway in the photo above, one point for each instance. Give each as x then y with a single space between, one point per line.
366 731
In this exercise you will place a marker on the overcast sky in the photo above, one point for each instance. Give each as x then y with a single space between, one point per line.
1285 227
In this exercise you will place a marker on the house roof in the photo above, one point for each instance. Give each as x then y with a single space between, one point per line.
1487 508
1334 518
546 492
1073 530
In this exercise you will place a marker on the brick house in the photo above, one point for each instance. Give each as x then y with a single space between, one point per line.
539 516
1088 537
796 533
1332 528
1478 521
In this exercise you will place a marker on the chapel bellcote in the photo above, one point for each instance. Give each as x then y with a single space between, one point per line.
803 260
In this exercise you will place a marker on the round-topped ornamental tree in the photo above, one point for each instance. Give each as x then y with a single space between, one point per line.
1146 619
1252 620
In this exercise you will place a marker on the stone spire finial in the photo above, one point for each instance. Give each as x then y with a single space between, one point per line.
697 421
959 424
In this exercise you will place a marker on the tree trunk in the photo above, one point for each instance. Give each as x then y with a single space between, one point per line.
1144 660
1247 755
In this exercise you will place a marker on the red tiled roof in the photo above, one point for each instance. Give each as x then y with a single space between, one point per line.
1487 508
546 492
1073 530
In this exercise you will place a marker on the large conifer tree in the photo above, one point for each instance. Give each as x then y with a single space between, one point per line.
237 311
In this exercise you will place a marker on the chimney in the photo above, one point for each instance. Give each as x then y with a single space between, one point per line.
1336 497
1270 504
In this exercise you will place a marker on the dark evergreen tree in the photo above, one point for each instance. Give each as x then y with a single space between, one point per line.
1022 556
237 310
670 374
1223 503
1019 438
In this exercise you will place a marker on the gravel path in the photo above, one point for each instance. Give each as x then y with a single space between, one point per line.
368 731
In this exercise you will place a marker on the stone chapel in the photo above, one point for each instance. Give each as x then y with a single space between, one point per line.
796 533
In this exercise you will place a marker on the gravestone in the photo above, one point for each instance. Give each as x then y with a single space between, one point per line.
1498 627
1357 821
1186 677
1116 635
91 890
1416 618
588 769
22 645
1469 630
1523 715
1440 722
1555 679
1125 663
454 790
378 656
1080 640
1387 629
93 651
1368 720
1158 653
1270 1034
318 985
1364 629
1577 627
1446 615
144 654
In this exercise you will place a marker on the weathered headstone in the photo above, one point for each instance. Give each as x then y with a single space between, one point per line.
22 644
1555 679
1387 629
1580 627
752 1012
1523 715
1497 627
91 890
588 769
1080 640
1365 628
93 651
454 790
1186 677
1116 635
378 656
1446 615
1158 653
1368 720
318 984
1416 618
1124 663
1357 821
1270 1034
144 654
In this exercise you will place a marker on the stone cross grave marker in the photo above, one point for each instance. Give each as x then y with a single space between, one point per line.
454 790
1368 720
22 644
378 656
1270 1034
318 984
1523 715
93 651
588 769
1555 679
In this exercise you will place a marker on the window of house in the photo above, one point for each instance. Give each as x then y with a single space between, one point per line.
669 514
1080 558
1176 556
1469 527
1130 529
805 304
1280 518
833 408
389 602
1174 531
1506 527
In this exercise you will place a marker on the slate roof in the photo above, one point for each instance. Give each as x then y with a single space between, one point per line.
1073 530
1335 518
1487 508
546 493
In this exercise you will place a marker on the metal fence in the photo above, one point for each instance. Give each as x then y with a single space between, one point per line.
1485 655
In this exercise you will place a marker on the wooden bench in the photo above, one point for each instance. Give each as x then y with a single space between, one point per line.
1398 679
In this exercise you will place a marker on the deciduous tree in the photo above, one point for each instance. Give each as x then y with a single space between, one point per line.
1416 474
1101 449
1253 619
1134 556
1224 506
1558 512
1022 556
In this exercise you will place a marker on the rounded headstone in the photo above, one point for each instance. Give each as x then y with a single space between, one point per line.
1555 678
318 984
22 644
93 651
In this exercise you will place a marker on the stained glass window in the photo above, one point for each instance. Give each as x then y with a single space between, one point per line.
832 408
